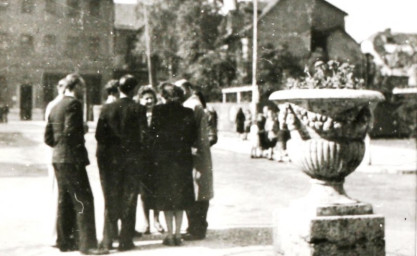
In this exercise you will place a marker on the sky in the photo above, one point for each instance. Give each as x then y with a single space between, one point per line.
367 17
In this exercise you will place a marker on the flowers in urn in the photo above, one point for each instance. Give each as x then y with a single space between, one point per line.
330 75
331 118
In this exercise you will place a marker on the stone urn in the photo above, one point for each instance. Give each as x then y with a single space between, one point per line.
328 127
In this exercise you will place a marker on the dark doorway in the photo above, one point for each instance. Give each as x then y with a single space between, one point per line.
26 102
4 91
49 82
93 93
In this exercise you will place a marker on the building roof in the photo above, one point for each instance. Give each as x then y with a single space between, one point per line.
273 3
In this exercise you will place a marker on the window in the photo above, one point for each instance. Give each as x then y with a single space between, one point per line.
4 4
50 6
71 47
318 40
94 46
49 43
94 7
73 8
26 44
27 6
4 41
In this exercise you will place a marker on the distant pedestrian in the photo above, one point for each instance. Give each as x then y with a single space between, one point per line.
1 114
283 137
271 132
240 122
174 132
248 123
5 113
212 125
260 122
65 133
253 137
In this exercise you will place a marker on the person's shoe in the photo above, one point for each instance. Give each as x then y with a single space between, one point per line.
147 231
168 241
126 246
138 234
92 251
177 240
191 237
67 247
159 227
105 246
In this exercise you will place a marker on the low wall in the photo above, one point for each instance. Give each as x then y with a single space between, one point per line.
226 113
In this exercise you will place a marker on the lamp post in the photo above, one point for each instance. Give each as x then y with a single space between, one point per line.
147 40
255 90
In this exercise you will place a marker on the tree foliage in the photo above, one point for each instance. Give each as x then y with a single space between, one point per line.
183 37
276 64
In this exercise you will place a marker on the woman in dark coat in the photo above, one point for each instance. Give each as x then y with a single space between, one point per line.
174 131
240 121
147 97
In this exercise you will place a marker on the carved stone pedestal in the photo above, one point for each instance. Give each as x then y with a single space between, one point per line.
297 234
327 131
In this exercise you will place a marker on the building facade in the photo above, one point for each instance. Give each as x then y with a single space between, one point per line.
42 41
128 29
308 27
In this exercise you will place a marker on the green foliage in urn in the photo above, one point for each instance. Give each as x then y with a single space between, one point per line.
330 75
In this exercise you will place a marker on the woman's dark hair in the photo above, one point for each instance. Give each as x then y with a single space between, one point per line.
171 92
146 89
127 83
111 87
201 98
72 80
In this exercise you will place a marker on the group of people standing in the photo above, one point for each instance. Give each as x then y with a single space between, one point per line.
160 151
265 132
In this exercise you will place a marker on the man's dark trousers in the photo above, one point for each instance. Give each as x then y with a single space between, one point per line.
197 219
118 133
121 195
65 133
76 222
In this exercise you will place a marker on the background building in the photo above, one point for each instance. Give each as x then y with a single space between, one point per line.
42 41
128 26
392 69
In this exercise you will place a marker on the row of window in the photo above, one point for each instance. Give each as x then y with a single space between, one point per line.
72 7
72 44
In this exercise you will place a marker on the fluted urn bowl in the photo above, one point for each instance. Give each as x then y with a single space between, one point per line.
328 127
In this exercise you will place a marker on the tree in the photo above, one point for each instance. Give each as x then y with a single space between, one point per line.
275 65
183 36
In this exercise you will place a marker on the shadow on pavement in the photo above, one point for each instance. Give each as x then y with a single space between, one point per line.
215 239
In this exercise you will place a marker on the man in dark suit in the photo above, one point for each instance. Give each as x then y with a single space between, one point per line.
65 133
119 136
